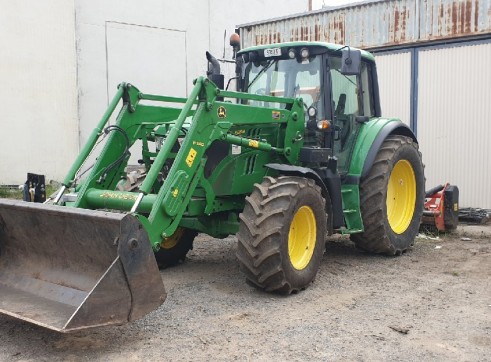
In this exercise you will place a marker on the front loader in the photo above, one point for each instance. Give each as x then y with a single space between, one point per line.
298 152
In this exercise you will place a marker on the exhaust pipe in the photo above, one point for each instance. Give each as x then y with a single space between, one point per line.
213 72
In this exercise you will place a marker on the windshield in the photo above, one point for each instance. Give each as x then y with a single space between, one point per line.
285 78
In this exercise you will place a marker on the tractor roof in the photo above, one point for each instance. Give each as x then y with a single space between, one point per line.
330 46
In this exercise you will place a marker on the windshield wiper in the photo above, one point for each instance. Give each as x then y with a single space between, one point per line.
259 73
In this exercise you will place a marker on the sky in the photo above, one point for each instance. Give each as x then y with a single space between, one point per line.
317 4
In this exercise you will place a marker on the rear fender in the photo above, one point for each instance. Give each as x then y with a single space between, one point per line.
370 139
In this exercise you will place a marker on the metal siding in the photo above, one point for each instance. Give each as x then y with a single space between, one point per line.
453 122
394 76
377 24
452 18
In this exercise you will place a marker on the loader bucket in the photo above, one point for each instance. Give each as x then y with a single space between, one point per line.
68 269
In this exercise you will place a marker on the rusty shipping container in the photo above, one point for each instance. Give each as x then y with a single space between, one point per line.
375 24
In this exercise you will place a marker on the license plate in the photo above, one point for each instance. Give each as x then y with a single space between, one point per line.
273 52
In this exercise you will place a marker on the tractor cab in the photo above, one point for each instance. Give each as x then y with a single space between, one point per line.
335 83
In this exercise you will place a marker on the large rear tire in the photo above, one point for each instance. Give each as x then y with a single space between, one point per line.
173 250
392 198
281 234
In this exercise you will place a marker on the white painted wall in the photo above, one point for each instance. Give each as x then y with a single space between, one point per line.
157 45
38 96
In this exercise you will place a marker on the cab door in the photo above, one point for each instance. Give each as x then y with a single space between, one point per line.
351 99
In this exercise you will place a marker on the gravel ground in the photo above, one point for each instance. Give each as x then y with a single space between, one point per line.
432 303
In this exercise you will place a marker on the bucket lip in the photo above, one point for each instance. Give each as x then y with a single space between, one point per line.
50 327
30 320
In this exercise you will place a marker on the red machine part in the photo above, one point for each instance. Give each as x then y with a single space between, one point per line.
434 209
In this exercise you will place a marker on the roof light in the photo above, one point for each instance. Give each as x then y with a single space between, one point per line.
292 53
304 53
234 40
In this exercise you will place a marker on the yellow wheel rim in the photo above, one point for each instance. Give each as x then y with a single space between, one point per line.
401 196
171 241
302 237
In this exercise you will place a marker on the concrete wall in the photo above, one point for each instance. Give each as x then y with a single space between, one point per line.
61 61
38 96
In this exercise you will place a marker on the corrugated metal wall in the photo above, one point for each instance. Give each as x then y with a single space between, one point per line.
377 23
454 127
395 97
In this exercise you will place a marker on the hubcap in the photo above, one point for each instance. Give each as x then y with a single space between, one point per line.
302 237
401 196
171 241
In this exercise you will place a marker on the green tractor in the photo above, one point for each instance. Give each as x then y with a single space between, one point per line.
298 152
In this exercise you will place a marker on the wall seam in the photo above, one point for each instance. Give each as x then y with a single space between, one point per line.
77 76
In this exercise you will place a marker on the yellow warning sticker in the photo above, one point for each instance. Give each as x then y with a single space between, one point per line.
175 193
191 157
456 207
253 143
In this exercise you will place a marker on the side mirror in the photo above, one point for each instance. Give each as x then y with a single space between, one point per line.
350 61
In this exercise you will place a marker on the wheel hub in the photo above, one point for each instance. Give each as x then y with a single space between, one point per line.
401 196
302 237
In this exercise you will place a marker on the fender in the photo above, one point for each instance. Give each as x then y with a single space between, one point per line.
333 208
370 139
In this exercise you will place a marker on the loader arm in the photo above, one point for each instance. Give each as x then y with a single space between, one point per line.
206 118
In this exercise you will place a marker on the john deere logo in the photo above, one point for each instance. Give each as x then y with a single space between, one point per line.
222 112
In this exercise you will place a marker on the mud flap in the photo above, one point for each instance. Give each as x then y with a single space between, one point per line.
69 269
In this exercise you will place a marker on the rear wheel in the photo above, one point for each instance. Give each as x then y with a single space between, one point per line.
173 250
392 198
281 234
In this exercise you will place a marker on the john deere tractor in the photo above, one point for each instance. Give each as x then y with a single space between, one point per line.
299 151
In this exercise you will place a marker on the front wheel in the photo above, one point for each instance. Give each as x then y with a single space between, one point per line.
173 250
281 234
392 198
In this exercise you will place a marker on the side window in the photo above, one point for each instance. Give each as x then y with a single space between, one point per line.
344 90
347 104
366 86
